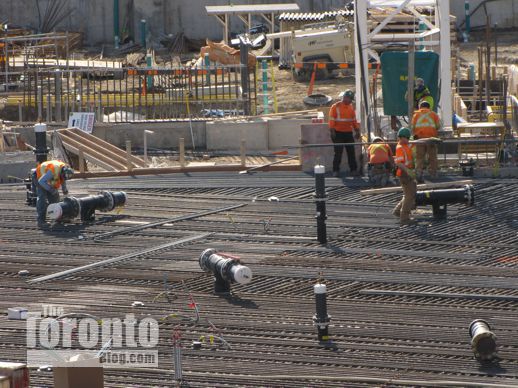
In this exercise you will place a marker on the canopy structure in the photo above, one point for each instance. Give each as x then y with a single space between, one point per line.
438 27
245 12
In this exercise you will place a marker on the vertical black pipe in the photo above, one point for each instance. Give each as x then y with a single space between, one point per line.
41 151
321 319
320 201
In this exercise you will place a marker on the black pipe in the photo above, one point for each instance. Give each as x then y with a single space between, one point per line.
226 270
321 319
30 186
41 150
439 199
72 207
483 340
320 201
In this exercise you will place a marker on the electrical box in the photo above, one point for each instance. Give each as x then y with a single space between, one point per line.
394 70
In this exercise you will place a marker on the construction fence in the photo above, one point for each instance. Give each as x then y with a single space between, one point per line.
131 94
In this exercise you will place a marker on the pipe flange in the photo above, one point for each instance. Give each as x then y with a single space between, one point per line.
204 257
110 203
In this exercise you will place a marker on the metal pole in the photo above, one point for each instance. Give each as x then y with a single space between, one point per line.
320 201
445 102
264 69
244 74
146 132
488 61
143 33
57 95
116 33
410 80
467 19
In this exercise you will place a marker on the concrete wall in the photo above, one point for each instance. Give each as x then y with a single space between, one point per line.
503 12
226 136
260 135
95 17
165 136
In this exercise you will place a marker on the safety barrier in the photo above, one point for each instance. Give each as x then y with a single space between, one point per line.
129 94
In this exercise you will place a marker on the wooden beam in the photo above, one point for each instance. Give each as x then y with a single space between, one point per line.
119 156
89 158
178 169
104 144
92 152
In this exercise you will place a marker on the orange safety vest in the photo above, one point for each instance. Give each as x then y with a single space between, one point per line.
379 153
404 155
425 123
342 117
55 166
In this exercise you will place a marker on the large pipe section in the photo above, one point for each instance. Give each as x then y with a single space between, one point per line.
439 199
320 201
483 340
321 319
226 270
72 207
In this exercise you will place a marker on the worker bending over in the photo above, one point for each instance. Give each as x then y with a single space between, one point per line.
50 175
344 129
425 125
404 162
380 162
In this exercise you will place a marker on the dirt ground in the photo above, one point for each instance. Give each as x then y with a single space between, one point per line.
290 93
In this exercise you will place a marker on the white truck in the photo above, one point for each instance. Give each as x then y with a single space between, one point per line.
333 47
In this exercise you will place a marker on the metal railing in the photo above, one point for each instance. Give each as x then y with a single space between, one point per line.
129 94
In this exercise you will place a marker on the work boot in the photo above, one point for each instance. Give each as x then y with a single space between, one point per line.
408 221
42 224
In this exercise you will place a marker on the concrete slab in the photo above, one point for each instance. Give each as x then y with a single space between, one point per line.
224 135
283 132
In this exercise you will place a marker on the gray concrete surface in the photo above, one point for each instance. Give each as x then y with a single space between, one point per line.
15 165
226 136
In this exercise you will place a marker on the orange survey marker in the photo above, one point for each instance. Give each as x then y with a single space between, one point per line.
312 82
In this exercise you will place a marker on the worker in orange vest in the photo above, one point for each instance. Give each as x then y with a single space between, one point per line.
404 161
344 129
50 176
380 162
425 125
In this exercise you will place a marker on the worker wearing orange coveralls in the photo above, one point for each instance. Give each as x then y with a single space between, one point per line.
404 162
425 124
342 125
380 161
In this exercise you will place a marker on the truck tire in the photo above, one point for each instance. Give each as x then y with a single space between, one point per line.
301 75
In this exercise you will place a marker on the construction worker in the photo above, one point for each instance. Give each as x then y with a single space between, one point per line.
404 162
380 162
50 176
344 129
425 125
422 93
